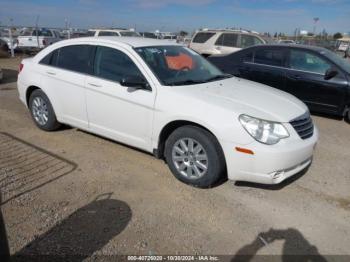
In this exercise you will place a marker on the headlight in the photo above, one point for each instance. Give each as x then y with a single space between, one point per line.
263 131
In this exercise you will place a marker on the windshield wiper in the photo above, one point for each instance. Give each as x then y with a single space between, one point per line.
187 82
219 77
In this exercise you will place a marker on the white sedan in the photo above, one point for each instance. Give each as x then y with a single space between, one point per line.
166 99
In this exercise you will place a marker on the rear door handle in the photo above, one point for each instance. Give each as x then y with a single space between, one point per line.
95 85
51 73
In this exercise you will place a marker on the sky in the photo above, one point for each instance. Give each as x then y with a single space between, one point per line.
174 15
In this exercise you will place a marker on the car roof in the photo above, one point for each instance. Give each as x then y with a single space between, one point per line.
110 30
310 47
129 41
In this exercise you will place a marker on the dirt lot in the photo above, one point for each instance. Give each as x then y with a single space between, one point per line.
70 192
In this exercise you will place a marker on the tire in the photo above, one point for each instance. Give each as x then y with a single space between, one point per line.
190 168
42 112
347 115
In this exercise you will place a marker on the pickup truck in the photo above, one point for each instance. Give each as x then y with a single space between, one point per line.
37 39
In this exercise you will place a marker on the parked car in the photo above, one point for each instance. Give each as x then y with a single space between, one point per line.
6 40
316 75
342 44
4 51
30 39
286 41
112 32
149 35
347 53
166 99
216 42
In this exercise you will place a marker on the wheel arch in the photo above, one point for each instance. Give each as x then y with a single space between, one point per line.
172 126
29 91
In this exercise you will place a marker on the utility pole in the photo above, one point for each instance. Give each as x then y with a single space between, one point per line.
11 38
67 29
37 29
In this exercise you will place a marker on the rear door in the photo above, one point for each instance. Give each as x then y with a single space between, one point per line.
64 76
227 43
305 79
268 67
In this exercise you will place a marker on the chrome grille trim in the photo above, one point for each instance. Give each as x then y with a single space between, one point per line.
303 125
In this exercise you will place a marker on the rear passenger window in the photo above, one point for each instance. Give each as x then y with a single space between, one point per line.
229 40
114 65
76 58
50 59
272 57
202 37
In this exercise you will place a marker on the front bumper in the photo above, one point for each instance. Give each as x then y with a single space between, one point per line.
270 164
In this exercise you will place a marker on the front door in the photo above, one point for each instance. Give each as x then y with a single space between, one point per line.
115 111
305 79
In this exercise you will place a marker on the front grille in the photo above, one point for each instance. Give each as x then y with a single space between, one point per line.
304 126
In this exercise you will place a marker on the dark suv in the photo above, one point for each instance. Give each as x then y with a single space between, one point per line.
315 75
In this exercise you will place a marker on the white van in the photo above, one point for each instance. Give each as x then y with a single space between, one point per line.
217 42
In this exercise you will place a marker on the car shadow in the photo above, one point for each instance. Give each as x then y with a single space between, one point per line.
115 142
9 76
24 167
81 234
4 246
279 186
295 247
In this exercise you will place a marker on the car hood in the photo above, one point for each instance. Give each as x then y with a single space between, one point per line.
246 97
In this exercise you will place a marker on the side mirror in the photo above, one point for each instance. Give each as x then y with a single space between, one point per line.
137 82
330 73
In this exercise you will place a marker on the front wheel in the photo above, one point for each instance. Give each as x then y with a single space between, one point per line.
194 156
347 116
42 111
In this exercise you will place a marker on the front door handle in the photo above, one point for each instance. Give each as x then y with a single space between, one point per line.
51 73
295 77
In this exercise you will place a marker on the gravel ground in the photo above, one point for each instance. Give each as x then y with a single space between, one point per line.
70 192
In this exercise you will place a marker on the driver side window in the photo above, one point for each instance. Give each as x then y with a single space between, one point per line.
114 65
306 61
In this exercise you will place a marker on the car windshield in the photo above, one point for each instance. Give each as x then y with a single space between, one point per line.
338 60
177 65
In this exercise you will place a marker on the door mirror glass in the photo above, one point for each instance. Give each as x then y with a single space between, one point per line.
135 81
330 73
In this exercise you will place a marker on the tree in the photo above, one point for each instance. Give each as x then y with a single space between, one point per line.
337 36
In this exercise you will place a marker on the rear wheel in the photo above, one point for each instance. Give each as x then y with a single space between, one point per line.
42 111
194 156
